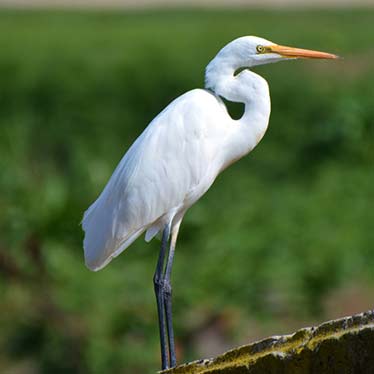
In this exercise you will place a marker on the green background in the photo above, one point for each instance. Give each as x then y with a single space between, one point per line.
283 239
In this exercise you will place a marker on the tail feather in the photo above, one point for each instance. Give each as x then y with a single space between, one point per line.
100 243
97 262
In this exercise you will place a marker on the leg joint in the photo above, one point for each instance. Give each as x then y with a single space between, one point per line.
167 289
158 283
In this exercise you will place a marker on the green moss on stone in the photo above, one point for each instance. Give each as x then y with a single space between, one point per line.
343 346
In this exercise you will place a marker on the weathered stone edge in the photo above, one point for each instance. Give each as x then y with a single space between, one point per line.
284 344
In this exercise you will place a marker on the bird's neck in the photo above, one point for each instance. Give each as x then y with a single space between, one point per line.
248 88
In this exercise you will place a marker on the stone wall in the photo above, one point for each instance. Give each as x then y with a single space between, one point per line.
343 346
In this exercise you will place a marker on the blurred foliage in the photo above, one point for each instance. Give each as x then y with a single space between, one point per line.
294 219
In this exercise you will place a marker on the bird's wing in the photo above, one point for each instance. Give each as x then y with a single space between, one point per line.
155 178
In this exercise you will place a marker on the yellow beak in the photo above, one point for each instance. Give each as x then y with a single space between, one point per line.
298 52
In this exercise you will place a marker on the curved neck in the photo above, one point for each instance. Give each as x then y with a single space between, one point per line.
250 89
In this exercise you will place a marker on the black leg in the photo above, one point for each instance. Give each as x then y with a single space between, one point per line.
168 294
158 282
168 309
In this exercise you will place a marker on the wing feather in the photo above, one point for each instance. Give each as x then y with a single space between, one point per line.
159 171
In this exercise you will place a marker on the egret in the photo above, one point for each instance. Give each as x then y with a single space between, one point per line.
177 158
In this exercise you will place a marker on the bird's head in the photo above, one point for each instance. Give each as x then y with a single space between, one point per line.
249 51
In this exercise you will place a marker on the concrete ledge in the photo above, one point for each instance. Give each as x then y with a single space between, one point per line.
343 346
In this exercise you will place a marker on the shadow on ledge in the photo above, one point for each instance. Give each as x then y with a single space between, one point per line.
343 346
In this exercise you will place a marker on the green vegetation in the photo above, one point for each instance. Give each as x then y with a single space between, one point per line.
277 236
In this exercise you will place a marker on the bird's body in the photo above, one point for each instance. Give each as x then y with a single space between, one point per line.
167 169
177 158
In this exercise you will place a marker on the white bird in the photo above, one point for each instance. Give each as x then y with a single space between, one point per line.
177 158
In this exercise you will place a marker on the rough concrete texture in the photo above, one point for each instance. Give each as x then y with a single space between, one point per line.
343 346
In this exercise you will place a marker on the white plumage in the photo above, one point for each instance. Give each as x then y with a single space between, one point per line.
172 163
177 158
181 152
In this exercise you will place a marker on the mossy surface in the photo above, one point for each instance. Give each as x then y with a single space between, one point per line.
341 346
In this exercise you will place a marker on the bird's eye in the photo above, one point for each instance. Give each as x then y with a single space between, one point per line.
260 49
